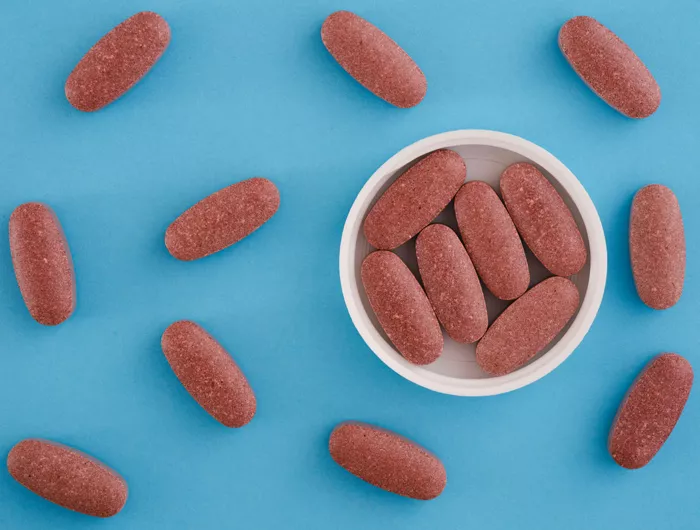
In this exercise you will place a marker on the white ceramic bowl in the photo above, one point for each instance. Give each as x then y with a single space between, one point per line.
487 154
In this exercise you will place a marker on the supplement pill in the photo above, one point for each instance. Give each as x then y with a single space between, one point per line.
118 61
373 59
387 460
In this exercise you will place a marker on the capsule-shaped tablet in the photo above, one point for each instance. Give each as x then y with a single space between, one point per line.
208 373
492 241
415 199
527 326
67 477
222 219
543 219
451 283
609 67
387 460
657 246
373 59
402 308
118 61
42 263
650 410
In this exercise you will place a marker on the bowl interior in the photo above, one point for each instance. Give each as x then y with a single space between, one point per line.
486 163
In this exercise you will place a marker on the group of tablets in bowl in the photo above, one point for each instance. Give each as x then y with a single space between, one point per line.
494 253
452 269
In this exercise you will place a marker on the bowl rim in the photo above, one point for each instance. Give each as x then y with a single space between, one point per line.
350 283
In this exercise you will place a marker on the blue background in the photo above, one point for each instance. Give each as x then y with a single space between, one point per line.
247 89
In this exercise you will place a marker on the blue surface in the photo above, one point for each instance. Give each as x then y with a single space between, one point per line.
247 89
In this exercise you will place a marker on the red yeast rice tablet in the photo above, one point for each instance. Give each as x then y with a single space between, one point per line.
387 460
42 263
609 67
67 477
118 61
373 59
402 308
209 373
657 246
451 283
492 241
222 219
650 410
527 326
543 219
414 199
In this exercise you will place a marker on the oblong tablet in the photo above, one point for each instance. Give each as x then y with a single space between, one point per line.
527 326
387 460
117 61
222 219
67 477
373 59
609 67
543 219
451 283
209 373
492 241
650 410
402 308
657 246
414 199
42 263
